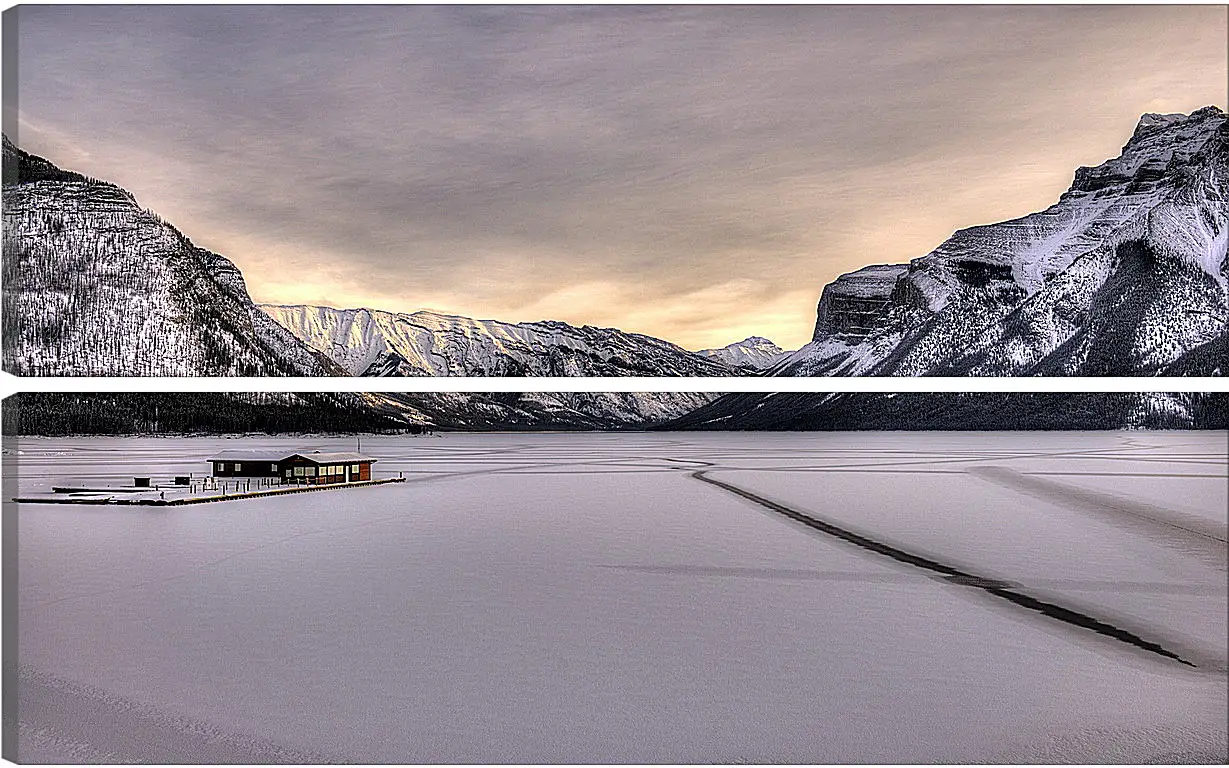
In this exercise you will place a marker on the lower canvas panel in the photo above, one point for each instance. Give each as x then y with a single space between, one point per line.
616 595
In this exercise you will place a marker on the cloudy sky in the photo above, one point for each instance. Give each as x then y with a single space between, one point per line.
694 173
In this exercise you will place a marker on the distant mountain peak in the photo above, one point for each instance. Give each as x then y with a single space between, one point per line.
1152 122
753 354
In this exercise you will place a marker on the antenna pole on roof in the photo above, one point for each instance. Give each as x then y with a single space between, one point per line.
359 437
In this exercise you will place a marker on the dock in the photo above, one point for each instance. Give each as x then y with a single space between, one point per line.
101 498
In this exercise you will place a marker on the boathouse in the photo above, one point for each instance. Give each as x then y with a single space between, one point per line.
303 467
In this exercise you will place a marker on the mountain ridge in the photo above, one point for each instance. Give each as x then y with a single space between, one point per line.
1139 238
372 342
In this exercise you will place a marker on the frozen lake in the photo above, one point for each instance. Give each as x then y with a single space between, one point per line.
593 598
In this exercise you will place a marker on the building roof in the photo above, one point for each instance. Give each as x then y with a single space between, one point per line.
271 456
337 457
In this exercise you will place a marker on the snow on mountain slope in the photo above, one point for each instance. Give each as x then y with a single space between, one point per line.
752 354
94 285
1124 275
375 343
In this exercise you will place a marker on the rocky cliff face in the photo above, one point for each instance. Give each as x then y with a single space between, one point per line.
94 285
369 342
1125 275
851 306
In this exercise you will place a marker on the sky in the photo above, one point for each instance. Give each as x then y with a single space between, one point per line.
696 173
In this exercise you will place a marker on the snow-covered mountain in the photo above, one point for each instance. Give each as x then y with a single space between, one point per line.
368 342
1125 275
95 285
752 354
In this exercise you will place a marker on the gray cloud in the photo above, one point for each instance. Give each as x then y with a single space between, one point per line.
623 160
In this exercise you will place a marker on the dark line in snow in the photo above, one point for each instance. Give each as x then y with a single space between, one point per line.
1099 502
994 587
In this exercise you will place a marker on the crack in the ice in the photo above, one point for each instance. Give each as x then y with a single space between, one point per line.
991 586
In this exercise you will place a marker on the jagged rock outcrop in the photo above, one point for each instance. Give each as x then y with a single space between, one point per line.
1125 275
851 305
95 285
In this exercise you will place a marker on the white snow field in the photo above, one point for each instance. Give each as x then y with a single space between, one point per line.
587 598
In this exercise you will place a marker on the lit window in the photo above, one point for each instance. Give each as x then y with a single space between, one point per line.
354 468
273 468
311 471
238 466
219 467
300 471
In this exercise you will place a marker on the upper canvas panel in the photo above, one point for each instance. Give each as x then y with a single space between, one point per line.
636 187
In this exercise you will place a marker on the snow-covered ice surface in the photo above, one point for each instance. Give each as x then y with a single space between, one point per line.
585 598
